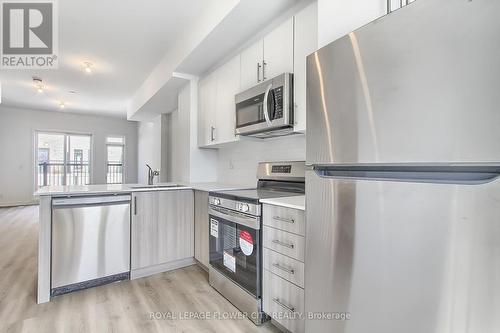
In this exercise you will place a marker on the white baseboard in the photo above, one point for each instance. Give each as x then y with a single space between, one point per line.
151 270
18 204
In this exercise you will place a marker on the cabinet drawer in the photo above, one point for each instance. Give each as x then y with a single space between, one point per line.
290 269
284 218
284 242
283 301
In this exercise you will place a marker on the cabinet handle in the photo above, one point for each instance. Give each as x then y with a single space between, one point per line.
212 130
290 246
258 71
135 205
283 219
288 270
287 307
264 63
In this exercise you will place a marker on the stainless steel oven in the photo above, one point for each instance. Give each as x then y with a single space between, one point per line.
235 253
266 109
235 247
235 234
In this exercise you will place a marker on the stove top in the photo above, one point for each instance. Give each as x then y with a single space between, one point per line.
254 195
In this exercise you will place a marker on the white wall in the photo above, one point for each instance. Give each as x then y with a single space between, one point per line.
237 164
17 127
149 143
337 18
178 51
149 148
179 158
154 148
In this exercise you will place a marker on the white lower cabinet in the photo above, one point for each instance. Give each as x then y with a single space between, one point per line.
201 251
283 301
284 242
283 266
162 228
286 267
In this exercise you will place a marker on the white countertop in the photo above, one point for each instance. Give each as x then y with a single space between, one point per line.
128 188
295 202
213 186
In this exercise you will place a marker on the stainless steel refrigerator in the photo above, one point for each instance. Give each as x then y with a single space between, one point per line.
403 194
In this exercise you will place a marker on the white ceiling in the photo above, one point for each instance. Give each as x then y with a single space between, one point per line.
124 39
232 26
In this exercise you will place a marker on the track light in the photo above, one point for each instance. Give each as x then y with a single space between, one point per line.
38 83
88 67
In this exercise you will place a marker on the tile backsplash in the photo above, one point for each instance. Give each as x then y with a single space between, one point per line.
237 163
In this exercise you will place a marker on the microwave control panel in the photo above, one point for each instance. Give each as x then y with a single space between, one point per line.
278 98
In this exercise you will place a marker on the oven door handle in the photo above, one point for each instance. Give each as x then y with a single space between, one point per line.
266 109
235 217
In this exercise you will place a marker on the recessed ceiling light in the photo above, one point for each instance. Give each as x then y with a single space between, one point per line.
37 82
88 67
61 105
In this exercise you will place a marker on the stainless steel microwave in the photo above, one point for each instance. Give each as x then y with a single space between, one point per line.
266 110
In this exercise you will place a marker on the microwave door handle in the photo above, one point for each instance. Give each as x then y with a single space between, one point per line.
266 111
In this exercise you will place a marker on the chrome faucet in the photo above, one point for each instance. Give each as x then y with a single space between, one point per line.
151 174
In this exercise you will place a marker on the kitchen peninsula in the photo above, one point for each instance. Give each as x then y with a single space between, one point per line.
97 234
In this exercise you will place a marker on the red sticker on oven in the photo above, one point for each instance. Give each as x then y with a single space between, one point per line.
246 242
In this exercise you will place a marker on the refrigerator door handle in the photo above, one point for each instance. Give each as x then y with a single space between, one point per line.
460 174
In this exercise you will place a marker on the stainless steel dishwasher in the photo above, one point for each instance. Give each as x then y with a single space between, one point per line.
90 242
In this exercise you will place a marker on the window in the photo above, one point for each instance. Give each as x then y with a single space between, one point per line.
62 159
115 148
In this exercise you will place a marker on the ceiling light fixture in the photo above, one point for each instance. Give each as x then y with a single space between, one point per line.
88 67
61 105
38 83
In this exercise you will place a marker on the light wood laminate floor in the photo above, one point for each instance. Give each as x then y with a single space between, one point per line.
118 307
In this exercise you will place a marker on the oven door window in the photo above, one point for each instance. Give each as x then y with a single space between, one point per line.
234 252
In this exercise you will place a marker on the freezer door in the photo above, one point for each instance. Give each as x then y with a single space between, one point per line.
402 256
418 85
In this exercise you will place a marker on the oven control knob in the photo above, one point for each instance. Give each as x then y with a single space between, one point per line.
216 201
244 208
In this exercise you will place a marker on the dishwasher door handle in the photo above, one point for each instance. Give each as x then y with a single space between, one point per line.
90 201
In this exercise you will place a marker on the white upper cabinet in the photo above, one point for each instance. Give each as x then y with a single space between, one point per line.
216 104
228 85
305 43
207 104
278 51
283 50
268 57
251 65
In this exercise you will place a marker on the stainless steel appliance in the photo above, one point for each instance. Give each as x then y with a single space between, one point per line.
403 195
235 219
266 110
90 242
